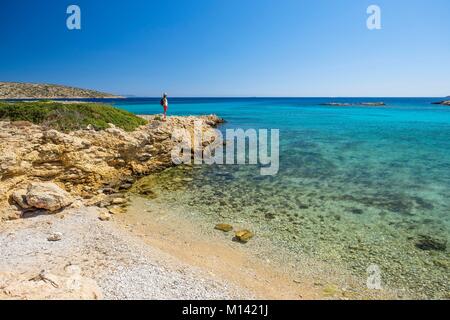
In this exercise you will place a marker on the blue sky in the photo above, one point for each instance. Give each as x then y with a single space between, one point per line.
230 48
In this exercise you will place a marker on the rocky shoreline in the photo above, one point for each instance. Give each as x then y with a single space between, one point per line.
92 166
57 192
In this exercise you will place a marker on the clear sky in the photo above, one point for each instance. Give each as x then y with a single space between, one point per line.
230 47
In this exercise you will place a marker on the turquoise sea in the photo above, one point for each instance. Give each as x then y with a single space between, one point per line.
357 185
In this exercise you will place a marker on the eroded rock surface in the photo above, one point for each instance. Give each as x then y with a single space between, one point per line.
83 163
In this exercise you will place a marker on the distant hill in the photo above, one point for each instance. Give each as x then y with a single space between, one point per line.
19 90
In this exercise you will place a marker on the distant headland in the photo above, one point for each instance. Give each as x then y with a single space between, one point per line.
445 103
21 90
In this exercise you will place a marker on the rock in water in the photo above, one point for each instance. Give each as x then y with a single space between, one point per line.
428 243
244 235
223 227
48 196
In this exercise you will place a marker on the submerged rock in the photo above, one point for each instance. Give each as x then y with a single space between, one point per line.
148 193
428 243
330 291
356 211
48 196
442 263
244 236
223 227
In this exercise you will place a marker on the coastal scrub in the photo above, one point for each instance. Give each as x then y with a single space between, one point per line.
69 116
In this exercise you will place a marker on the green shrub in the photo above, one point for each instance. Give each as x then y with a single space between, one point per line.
69 116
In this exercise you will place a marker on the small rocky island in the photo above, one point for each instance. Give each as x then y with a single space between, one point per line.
347 104
445 103
19 90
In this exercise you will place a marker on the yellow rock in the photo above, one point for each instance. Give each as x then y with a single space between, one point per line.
116 210
223 227
244 235
330 291
104 215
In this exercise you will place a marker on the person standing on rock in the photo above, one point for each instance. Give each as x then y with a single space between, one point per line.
165 104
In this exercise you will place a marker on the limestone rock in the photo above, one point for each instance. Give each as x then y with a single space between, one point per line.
223 227
125 186
48 196
20 198
99 201
116 210
244 235
119 201
56 236
104 215
11 213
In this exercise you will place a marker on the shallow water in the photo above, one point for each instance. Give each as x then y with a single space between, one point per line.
357 185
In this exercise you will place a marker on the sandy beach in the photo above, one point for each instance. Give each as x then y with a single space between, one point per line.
96 260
